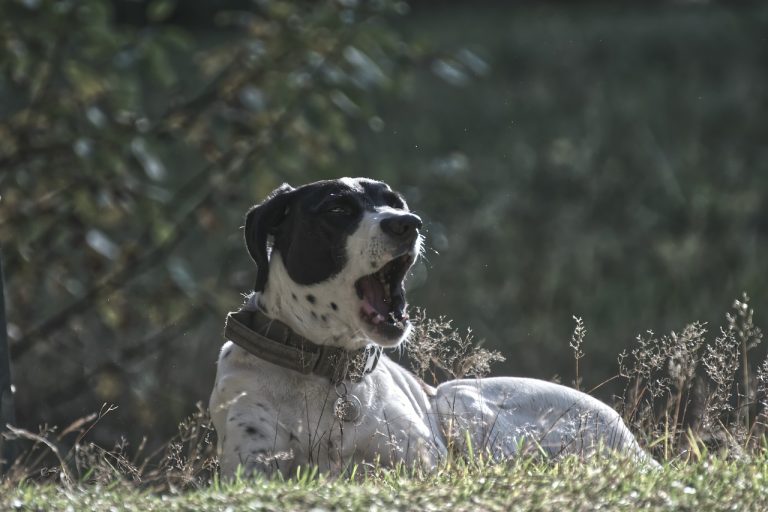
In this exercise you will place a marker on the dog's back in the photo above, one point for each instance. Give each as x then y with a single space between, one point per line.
509 416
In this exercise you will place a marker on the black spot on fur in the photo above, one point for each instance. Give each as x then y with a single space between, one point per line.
314 315
294 296
292 437
311 298
323 318
259 404
252 431
226 354
334 306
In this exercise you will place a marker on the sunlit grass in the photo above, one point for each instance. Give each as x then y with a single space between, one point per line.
614 484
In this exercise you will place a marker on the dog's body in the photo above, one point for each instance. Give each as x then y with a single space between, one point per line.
335 276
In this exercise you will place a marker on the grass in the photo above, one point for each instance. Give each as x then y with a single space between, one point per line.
613 484
713 458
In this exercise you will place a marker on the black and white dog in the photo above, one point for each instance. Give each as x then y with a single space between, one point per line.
302 379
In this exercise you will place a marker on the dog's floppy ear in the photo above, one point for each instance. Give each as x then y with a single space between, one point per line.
261 221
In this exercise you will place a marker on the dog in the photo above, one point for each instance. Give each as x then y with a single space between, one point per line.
302 379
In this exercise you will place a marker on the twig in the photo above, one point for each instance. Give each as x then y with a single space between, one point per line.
7 413
66 476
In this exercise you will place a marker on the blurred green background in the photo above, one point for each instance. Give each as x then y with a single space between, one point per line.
607 160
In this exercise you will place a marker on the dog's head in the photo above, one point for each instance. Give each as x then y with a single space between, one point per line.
340 250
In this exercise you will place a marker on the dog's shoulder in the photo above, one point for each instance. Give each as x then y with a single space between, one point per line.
399 366
240 375
398 377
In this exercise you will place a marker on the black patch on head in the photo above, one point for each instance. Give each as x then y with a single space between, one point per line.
381 195
312 241
309 226
334 306
311 298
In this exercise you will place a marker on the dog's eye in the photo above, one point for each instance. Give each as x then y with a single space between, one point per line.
339 209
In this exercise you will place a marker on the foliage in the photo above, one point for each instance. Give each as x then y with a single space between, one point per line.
130 154
684 392
592 160
435 347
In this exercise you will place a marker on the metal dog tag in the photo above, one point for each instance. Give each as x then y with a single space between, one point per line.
347 408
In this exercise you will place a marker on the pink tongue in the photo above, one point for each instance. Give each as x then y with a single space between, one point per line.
373 295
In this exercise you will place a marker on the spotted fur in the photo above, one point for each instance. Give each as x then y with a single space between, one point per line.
270 419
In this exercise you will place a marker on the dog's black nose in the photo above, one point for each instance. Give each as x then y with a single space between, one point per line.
401 226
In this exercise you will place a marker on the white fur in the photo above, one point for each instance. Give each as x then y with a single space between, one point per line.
272 419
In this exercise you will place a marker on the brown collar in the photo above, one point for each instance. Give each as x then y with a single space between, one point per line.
276 343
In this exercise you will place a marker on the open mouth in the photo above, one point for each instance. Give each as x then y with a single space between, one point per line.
383 297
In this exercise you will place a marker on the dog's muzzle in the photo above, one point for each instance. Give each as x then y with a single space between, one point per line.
402 228
382 294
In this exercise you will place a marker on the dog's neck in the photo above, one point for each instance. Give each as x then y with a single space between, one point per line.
322 313
273 341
